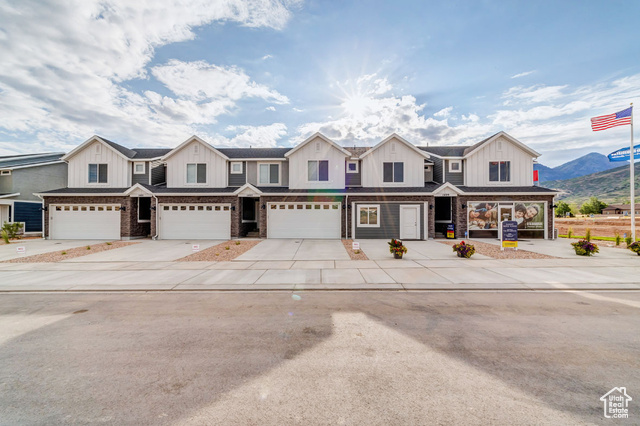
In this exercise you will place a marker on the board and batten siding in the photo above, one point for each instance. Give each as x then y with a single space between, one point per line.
177 167
372 168
299 169
477 171
454 178
389 217
118 169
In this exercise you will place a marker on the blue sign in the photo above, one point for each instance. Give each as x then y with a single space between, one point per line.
510 233
623 154
451 231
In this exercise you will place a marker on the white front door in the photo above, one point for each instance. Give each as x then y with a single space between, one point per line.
84 222
410 222
195 221
303 220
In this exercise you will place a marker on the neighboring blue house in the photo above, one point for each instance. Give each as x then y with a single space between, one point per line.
20 177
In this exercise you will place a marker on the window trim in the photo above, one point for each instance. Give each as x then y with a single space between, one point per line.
357 170
499 182
97 182
186 175
393 173
317 180
136 164
279 164
368 206
5 172
458 162
235 163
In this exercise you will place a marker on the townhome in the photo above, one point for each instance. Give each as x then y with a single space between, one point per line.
317 189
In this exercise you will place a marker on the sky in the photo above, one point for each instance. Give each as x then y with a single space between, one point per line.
266 73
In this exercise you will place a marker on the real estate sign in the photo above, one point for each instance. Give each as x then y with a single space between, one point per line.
509 234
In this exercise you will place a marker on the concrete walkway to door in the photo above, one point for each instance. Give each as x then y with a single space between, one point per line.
296 249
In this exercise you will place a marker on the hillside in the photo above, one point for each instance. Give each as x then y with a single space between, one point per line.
610 186
587 164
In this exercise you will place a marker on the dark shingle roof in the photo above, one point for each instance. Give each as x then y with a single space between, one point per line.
145 153
444 151
129 153
357 151
63 191
29 159
498 189
164 190
472 147
254 152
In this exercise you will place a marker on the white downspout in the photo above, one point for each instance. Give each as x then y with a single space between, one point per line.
43 213
346 221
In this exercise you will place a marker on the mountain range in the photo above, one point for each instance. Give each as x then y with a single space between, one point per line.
585 165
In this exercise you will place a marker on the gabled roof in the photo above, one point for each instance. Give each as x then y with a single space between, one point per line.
447 186
241 153
248 189
118 149
27 160
149 153
395 136
445 151
357 151
472 149
324 138
187 142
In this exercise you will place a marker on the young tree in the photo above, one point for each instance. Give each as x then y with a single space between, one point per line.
562 209
593 206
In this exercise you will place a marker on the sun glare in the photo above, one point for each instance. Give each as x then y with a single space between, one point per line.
356 105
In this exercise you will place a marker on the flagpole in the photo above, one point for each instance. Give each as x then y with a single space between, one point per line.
632 183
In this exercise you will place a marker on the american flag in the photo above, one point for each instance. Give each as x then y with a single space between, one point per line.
603 122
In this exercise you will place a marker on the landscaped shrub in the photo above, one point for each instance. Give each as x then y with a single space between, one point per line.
628 240
587 234
569 232
618 238
12 229
635 247
5 236
397 248
585 248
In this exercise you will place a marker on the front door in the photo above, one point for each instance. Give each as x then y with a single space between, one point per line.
410 222
504 213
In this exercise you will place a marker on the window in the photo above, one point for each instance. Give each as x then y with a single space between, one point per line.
352 167
144 209
318 170
138 168
97 173
455 166
393 172
5 172
368 216
269 174
197 173
499 171
236 168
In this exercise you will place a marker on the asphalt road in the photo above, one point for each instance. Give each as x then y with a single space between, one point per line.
317 358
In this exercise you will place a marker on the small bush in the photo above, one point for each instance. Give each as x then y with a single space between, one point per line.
12 229
88 247
227 248
628 240
569 232
587 234
63 253
5 236
108 244
357 251
634 247
585 248
618 238
237 243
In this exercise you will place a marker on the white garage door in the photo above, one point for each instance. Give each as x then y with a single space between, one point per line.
303 220
195 221
84 222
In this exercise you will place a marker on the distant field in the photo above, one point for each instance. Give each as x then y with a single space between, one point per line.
600 227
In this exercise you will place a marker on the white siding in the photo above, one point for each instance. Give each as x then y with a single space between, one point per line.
477 167
372 171
118 169
177 167
298 168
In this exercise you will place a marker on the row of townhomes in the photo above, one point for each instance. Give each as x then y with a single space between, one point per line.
317 189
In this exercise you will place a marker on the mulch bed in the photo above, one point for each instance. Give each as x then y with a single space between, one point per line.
352 254
226 251
494 251
57 256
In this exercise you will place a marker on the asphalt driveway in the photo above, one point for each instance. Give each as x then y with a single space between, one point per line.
296 249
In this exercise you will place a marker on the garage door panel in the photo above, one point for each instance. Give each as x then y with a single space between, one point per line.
195 221
304 220
85 222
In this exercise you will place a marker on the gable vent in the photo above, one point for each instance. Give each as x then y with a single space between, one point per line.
317 146
98 148
196 149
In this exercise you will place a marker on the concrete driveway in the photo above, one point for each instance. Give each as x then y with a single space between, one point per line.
148 251
417 250
275 249
33 247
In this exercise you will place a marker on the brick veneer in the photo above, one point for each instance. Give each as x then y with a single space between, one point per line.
234 201
461 214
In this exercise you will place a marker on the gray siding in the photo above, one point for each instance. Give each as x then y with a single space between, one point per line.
285 173
238 179
158 173
389 221
428 175
38 179
140 178
454 178
6 184
437 169
353 179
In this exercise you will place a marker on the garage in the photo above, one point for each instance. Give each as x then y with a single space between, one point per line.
303 220
195 221
84 222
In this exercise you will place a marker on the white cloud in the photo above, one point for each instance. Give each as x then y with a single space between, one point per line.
270 108
444 112
523 74
265 57
533 94
256 136
65 65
